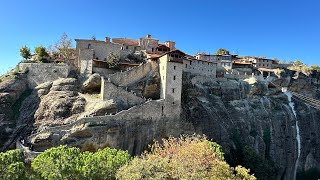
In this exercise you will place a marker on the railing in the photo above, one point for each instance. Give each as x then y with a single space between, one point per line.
304 99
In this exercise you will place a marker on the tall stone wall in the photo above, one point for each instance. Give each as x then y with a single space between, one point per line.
171 85
200 67
103 49
39 73
123 98
85 61
133 75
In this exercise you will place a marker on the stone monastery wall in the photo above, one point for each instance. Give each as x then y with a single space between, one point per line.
200 67
103 49
123 97
133 75
39 73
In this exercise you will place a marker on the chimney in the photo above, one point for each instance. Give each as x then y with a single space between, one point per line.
107 39
148 36
171 45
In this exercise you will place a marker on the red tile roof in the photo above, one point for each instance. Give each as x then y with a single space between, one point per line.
126 41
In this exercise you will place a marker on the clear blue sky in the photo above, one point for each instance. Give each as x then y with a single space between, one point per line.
284 29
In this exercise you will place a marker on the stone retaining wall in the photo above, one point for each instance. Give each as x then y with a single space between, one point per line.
133 75
38 73
123 98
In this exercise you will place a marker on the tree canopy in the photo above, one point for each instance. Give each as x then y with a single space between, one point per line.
25 52
69 163
113 61
187 157
12 165
41 52
222 51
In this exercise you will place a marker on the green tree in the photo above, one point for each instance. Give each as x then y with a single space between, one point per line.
222 51
187 157
12 166
25 52
113 61
58 163
315 68
104 163
69 163
41 53
298 63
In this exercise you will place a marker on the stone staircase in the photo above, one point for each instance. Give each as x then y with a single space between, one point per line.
133 75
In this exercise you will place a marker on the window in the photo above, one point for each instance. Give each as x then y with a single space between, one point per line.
172 90
127 47
152 49
190 62
172 102
174 67
174 77
186 65
89 46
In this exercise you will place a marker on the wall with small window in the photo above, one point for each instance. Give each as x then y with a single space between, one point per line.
103 49
206 68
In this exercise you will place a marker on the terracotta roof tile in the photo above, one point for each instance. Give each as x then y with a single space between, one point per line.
126 41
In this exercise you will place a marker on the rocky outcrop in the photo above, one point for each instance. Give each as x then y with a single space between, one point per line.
102 108
10 92
249 118
60 102
93 83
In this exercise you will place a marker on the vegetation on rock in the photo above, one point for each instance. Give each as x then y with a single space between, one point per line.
41 53
113 61
69 163
12 165
187 157
305 69
25 52
222 51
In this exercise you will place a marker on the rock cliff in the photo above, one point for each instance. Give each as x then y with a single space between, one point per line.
251 119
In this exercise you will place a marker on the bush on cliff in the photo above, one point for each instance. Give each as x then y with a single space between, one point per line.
187 157
12 165
69 163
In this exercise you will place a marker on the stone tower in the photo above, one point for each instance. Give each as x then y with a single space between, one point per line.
171 67
171 45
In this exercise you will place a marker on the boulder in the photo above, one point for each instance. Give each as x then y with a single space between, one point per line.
93 83
102 108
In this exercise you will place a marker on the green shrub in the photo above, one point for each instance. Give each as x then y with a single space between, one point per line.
12 166
187 157
69 163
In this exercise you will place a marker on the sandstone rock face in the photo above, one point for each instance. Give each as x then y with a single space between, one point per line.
59 103
148 87
235 113
102 108
93 83
10 92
